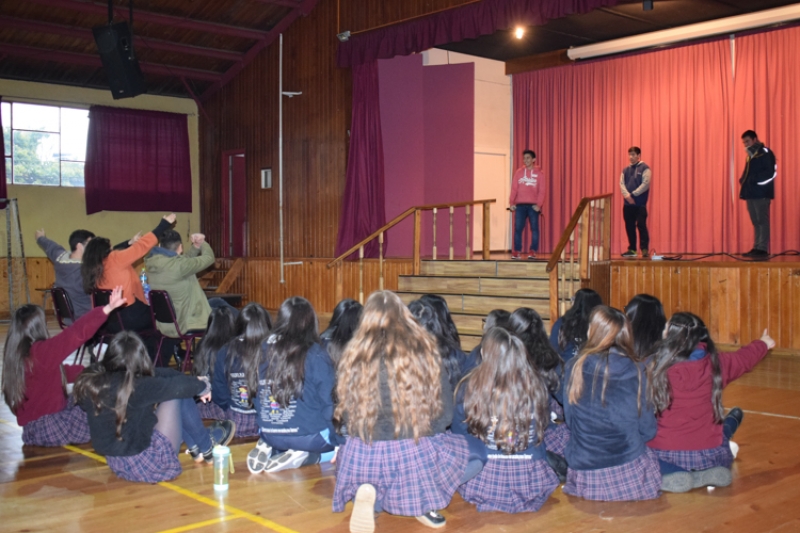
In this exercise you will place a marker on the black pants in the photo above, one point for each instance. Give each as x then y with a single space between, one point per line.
136 318
636 217
759 216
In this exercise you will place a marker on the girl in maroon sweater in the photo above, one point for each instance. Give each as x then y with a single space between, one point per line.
688 375
34 378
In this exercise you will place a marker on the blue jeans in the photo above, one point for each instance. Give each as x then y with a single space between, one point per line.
317 443
522 212
192 429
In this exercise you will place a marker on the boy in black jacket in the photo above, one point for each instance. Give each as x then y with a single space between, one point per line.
758 189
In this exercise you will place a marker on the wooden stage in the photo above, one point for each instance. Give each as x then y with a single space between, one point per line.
70 489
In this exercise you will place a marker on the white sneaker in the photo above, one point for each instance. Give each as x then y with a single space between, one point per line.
258 458
734 448
288 459
362 520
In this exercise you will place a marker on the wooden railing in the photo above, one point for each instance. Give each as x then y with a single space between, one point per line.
587 241
417 262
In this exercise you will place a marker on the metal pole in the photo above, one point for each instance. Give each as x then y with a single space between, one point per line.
280 149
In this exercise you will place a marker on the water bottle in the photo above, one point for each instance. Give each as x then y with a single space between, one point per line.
145 285
223 465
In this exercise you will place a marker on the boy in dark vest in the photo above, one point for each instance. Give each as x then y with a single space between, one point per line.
635 186
758 190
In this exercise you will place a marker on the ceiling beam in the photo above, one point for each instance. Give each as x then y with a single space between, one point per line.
156 18
303 9
83 33
72 58
285 3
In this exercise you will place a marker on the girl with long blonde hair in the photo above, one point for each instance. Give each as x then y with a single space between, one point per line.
609 417
503 404
396 401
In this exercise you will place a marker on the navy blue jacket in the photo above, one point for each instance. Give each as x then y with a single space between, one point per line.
570 350
613 435
758 178
230 393
471 361
459 426
307 415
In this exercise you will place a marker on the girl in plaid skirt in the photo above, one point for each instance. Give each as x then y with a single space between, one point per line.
688 375
396 401
447 340
235 371
34 378
503 405
139 415
609 417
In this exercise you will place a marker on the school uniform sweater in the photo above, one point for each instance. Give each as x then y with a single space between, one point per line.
527 187
459 426
44 394
140 418
689 424
570 350
118 266
614 434
309 414
229 389
68 275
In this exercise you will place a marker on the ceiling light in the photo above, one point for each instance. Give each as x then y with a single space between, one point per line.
687 33
519 32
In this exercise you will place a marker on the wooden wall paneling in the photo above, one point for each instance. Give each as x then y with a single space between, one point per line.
794 306
40 275
785 305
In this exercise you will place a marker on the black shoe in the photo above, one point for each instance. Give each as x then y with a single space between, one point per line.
759 253
559 466
432 519
645 253
734 419
750 253
629 253
221 432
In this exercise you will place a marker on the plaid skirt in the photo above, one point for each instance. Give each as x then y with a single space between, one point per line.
158 462
556 408
410 479
511 484
246 424
639 479
69 426
556 437
699 459
211 411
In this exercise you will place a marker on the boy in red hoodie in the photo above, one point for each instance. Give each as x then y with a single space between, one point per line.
527 196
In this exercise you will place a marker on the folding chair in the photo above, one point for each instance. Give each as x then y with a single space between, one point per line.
163 311
66 317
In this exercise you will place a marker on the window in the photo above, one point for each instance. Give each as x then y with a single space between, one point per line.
44 145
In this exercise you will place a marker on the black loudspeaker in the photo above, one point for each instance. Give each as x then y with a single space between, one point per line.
115 44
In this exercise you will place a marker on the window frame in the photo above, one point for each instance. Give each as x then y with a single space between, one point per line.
9 155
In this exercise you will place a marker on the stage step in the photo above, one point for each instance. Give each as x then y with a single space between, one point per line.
481 305
534 288
496 269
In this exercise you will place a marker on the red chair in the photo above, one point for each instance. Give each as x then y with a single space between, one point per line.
66 317
163 311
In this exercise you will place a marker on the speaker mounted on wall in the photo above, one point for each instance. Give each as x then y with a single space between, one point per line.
115 44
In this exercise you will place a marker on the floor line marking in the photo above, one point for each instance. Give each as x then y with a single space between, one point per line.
204 523
10 424
771 414
201 499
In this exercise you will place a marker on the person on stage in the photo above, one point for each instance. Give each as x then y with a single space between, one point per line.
527 196
758 189
634 182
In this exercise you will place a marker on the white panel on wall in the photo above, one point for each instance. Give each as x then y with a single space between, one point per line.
491 181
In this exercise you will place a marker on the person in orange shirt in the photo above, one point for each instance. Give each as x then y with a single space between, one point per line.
106 268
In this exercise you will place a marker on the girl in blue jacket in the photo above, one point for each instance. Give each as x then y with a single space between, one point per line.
608 415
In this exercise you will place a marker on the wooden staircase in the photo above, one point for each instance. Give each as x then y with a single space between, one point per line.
473 288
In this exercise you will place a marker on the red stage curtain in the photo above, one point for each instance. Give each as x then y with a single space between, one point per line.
456 24
3 189
363 206
765 99
581 119
137 161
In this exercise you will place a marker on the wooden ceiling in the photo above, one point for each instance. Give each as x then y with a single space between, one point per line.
187 48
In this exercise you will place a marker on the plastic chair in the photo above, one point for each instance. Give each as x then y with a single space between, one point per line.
163 311
65 315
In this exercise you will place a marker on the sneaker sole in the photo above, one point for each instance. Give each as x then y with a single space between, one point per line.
362 520
230 436
719 476
425 522
257 462
285 461
677 482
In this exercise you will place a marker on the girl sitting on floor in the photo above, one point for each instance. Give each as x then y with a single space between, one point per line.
138 415
221 329
688 375
609 418
35 378
236 372
295 394
647 323
395 399
343 324
499 318
449 349
504 403
569 332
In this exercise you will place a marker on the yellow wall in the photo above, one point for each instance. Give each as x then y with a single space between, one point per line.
60 210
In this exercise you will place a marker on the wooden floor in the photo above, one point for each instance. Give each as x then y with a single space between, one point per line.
71 489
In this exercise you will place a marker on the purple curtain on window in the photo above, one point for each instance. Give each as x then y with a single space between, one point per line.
137 161
363 206
457 24
3 190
